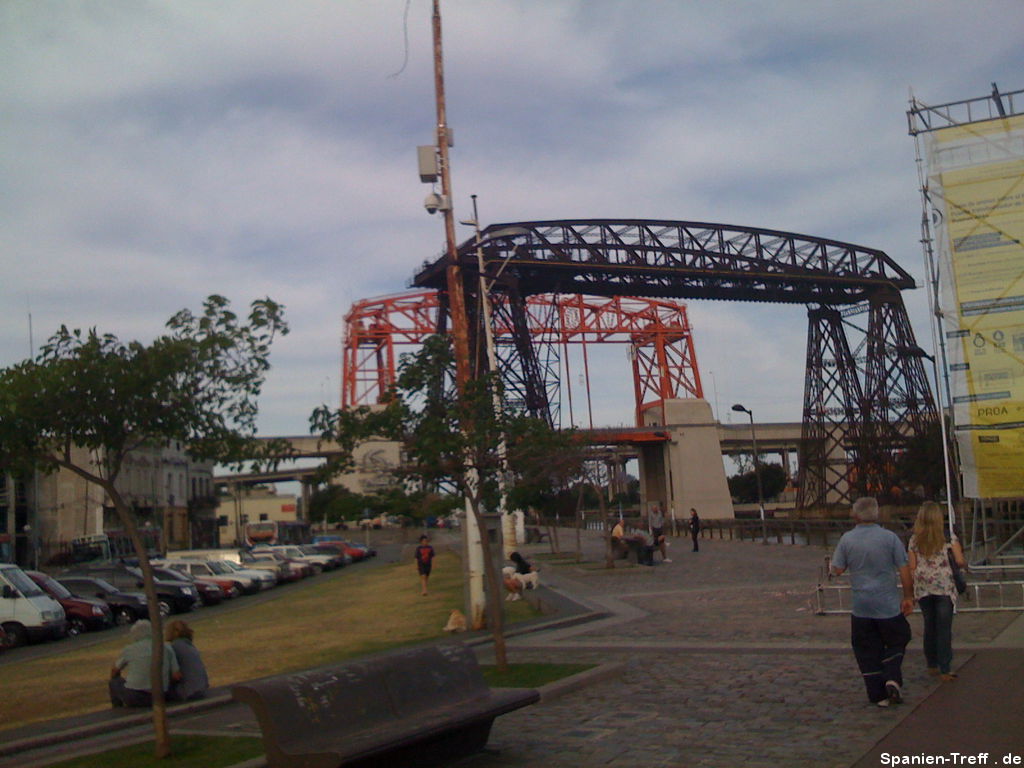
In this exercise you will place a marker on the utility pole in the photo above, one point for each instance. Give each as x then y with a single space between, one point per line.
459 330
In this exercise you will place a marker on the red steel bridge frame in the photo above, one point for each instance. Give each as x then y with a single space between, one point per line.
866 393
658 331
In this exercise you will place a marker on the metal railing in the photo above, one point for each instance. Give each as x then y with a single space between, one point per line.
836 598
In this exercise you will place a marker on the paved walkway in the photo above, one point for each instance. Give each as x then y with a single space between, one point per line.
723 663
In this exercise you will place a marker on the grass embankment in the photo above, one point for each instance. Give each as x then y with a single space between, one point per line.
530 675
334 617
187 752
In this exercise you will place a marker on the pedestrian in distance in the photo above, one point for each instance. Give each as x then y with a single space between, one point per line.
879 631
934 589
424 561
194 682
694 528
130 680
656 521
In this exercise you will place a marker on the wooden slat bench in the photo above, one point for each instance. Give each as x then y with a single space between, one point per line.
415 707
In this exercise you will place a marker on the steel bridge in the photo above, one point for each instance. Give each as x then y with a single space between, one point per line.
866 392
658 331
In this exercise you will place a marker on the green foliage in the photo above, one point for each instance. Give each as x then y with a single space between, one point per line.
530 675
919 467
335 504
189 751
197 384
743 487
447 438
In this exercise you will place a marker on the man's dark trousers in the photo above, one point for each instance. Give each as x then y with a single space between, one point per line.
878 645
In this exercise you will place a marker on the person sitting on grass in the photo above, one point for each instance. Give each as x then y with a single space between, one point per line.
194 682
130 678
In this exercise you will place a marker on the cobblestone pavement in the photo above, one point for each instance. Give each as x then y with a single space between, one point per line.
726 665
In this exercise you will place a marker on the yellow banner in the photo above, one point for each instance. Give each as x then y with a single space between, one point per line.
977 191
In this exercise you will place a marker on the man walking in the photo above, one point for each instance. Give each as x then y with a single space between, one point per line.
879 631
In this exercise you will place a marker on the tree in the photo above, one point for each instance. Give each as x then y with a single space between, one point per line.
452 440
196 384
743 487
919 467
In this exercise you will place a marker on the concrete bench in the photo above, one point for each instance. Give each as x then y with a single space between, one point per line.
420 706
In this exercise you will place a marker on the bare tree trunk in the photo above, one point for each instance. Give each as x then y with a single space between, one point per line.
161 735
495 604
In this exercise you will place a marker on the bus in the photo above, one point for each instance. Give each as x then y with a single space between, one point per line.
271 532
114 545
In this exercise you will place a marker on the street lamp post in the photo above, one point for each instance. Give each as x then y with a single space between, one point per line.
757 470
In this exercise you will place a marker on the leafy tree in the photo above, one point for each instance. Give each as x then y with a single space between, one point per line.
335 504
452 439
196 384
743 487
919 467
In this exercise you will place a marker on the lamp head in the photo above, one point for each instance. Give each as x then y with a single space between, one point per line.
740 408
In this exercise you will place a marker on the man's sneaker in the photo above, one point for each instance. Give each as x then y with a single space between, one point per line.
667 560
883 703
892 690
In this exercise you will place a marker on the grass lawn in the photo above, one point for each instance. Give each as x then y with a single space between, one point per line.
530 675
333 617
187 752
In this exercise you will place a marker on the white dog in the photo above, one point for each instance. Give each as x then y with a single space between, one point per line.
529 580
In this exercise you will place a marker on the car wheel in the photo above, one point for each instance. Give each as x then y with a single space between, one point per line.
16 635
76 627
123 616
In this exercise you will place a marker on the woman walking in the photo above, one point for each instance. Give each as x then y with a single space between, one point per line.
933 586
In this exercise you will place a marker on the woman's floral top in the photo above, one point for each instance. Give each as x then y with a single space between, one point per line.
933 576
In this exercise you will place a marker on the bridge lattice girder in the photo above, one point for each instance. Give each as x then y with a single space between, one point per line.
658 331
890 400
675 259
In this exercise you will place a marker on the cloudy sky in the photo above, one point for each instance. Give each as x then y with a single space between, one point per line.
152 153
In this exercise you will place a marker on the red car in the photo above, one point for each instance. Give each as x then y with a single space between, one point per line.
83 614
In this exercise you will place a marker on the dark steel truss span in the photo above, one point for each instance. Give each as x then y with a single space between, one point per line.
676 259
861 404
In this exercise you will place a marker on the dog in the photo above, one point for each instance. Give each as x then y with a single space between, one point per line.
456 621
529 580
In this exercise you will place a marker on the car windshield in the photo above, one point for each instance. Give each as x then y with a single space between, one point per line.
55 588
293 552
170 574
218 567
311 550
106 586
22 583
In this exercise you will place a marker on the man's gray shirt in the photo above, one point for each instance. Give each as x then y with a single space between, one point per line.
873 556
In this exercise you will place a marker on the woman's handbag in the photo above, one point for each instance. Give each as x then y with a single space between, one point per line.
958 576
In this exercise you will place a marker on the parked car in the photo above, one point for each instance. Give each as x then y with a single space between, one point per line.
126 607
287 570
338 559
175 596
83 613
26 612
318 560
353 552
245 582
210 592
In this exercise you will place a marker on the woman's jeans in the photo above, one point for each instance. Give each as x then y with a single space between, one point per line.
938 630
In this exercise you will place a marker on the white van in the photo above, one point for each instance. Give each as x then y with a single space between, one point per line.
26 612
238 559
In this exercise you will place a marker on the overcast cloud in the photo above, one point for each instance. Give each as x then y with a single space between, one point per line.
152 153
